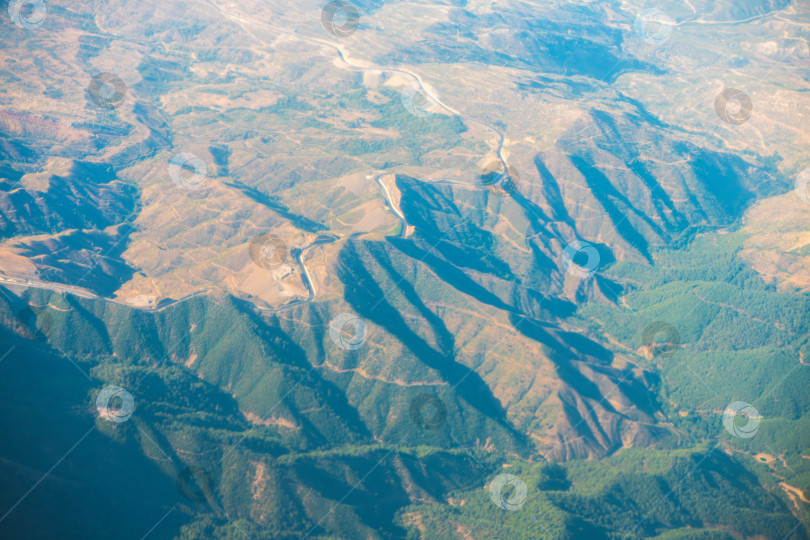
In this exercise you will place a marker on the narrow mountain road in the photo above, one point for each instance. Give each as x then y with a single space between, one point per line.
84 293
776 324
404 224
344 58
56 287
306 277
299 256
795 494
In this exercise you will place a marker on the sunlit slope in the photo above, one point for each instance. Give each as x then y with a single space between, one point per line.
294 126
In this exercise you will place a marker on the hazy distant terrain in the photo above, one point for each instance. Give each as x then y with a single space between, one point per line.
405 270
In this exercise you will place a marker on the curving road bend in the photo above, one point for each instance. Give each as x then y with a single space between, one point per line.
344 57
306 277
404 227
299 253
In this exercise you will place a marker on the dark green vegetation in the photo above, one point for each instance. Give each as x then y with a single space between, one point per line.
695 493
353 462
740 340
484 355
241 428
185 419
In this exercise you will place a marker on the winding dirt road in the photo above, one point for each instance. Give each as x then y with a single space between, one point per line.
344 57
397 212
299 255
